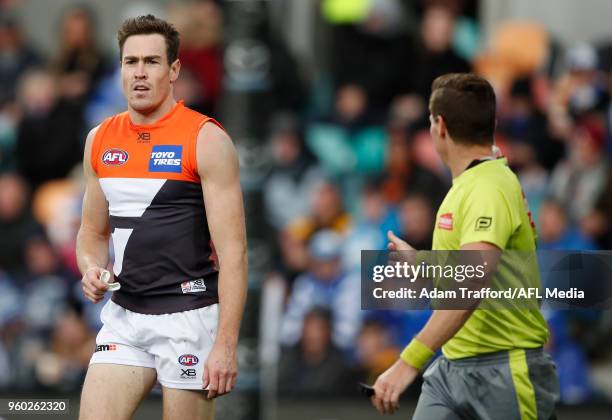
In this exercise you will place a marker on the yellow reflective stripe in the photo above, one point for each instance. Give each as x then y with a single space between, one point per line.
522 385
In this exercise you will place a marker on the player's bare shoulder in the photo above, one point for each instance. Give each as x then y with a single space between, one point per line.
215 152
87 153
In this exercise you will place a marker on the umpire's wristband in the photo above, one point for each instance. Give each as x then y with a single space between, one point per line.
416 354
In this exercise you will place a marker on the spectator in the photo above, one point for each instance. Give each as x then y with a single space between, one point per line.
375 350
16 222
526 129
577 181
325 285
416 218
106 99
586 84
11 326
557 233
375 52
350 142
294 176
579 92
57 206
370 229
598 223
200 24
9 115
45 287
50 136
315 365
326 212
16 57
531 149
79 64
436 56
403 175
64 364
46 284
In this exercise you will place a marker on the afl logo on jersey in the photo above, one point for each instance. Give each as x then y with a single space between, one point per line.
188 359
115 157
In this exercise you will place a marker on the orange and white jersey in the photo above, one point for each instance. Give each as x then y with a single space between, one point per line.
163 252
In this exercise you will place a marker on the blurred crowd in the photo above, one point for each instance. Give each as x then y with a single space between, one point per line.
348 157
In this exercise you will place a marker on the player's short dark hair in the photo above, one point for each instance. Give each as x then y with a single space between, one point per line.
146 25
466 102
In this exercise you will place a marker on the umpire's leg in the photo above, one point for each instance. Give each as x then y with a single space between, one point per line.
435 401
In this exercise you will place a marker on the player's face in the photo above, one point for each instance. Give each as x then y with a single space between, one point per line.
146 74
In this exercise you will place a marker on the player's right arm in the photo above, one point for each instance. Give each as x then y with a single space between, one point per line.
94 233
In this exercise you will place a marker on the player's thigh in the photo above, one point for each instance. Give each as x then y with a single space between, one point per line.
186 404
114 391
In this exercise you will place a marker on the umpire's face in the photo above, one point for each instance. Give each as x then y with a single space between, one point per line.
146 75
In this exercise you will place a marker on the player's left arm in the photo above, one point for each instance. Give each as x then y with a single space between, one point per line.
219 173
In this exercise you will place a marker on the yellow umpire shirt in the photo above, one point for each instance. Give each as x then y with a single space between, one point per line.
486 204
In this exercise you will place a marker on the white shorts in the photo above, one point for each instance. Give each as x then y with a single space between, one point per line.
175 345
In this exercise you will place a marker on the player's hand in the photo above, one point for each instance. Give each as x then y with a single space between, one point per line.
220 369
390 384
94 288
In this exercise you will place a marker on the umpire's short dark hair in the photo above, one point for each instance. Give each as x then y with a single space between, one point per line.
466 102
146 25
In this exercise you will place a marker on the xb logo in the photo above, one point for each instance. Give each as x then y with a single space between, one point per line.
144 136
188 373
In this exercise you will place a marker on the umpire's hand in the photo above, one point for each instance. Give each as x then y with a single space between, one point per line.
397 244
390 384
93 288
399 250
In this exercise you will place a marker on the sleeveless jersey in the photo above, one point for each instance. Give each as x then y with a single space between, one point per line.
164 258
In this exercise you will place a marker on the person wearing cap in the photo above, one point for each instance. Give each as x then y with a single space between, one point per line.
581 90
325 285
